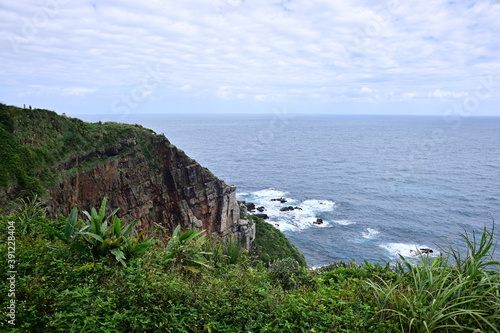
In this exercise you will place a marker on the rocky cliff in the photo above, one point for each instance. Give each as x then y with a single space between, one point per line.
72 163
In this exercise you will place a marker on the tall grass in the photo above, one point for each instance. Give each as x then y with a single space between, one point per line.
225 252
453 293
29 209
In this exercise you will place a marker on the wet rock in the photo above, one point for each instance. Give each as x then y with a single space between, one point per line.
243 208
250 206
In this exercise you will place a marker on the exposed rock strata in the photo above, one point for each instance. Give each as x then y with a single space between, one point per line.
170 189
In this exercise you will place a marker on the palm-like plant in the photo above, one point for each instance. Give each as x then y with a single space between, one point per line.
101 237
233 251
186 249
30 209
225 252
436 296
68 234
104 238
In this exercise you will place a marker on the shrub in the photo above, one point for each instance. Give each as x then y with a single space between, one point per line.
270 244
285 272
435 295
99 237
186 249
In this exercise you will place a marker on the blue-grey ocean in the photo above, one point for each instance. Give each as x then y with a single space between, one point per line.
382 185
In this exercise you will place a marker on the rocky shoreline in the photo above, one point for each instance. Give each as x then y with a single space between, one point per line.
250 208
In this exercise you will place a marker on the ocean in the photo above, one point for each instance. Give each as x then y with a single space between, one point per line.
382 185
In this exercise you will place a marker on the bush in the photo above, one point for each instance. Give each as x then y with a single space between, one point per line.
186 249
270 244
69 291
98 237
285 271
435 295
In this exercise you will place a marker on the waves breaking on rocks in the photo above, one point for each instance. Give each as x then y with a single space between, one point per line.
291 215
287 213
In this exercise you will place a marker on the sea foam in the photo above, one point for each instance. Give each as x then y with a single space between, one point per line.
370 233
344 222
302 215
406 250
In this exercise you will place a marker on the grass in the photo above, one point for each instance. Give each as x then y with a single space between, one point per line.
457 292
71 291
38 146
270 244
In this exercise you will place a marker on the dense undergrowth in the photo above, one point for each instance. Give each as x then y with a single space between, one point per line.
197 284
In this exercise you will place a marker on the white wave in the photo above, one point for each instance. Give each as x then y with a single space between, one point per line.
302 216
319 205
407 250
370 233
270 193
344 222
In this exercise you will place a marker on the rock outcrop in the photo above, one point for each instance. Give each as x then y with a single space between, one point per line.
145 176
172 190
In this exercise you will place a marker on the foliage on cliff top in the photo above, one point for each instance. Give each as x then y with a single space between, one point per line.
270 244
59 291
32 142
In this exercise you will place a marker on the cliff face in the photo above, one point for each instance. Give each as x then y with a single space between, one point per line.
148 179
169 190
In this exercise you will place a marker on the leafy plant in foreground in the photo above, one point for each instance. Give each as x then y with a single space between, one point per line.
99 237
68 234
115 239
436 296
480 253
186 249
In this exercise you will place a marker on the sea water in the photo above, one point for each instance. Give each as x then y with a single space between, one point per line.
381 185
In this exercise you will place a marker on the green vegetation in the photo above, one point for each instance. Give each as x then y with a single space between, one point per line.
99 237
73 291
186 249
270 244
439 296
37 146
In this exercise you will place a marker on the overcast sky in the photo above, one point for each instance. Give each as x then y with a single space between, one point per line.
252 56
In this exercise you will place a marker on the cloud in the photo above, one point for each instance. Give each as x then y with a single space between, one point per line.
185 88
365 90
78 91
447 94
252 50
34 90
408 95
223 92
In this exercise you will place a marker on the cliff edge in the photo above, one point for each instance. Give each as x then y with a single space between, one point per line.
70 163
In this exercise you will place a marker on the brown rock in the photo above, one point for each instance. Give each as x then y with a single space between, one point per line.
174 190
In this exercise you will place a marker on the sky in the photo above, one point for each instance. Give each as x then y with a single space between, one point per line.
259 56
